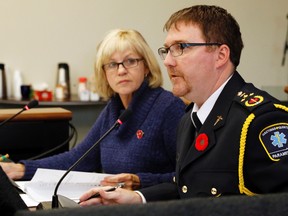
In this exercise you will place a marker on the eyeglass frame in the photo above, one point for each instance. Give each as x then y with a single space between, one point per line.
122 63
182 47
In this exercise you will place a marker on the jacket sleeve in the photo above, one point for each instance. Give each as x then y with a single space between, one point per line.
160 192
264 162
173 114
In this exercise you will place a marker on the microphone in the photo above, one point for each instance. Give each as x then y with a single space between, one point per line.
55 201
30 105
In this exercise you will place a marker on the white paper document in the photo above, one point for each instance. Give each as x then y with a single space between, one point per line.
28 200
42 185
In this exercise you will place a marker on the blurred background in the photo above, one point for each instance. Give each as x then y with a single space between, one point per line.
36 35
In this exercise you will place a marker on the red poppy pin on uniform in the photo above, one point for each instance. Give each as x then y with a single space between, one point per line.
201 142
139 134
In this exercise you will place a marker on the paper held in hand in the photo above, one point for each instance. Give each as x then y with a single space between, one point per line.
42 185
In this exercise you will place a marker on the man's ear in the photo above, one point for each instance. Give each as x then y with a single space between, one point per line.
223 55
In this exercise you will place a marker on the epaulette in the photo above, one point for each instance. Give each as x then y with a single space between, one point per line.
251 99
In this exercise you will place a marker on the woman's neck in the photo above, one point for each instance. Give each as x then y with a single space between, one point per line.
126 99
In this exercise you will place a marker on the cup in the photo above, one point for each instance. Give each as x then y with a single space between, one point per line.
25 92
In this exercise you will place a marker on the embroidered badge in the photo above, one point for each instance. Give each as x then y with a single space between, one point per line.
139 134
254 101
201 142
274 140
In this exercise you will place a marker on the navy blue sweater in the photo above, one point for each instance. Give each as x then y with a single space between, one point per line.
150 155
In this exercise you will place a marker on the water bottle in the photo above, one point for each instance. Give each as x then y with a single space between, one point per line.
94 96
17 82
83 92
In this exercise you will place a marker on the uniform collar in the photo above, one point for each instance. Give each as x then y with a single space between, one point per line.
207 106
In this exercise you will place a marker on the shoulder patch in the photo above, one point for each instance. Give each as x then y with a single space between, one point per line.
251 97
274 140
250 100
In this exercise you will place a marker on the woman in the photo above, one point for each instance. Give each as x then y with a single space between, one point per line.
142 151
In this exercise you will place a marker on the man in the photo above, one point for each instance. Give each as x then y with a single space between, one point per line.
241 146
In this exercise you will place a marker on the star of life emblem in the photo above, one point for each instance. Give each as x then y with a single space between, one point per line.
278 139
274 140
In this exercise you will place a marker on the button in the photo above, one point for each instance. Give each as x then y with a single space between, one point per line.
174 179
213 191
184 189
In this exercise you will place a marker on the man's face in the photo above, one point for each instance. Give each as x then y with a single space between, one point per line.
193 74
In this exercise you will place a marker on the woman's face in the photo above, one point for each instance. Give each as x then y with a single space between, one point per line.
125 81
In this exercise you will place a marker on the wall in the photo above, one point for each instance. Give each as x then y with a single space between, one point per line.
37 34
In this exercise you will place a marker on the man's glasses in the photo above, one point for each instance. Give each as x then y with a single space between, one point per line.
128 63
177 48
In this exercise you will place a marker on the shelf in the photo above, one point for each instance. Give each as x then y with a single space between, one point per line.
74 101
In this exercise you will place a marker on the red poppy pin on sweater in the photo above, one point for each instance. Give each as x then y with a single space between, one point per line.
201 142
139 134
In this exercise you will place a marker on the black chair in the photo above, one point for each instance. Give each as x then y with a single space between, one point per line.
10 200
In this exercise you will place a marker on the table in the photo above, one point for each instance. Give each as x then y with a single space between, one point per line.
84 113
34 132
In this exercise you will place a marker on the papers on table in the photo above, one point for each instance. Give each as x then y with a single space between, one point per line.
28 200
41 187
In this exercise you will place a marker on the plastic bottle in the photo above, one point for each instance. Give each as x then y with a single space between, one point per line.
83 92
17 82
94 96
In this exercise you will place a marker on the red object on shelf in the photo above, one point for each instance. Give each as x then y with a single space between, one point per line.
43 95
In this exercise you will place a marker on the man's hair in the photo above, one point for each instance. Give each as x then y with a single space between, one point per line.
217 25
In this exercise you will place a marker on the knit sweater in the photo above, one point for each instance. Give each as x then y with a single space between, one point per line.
144 145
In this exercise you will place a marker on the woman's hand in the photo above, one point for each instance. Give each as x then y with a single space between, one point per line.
14 171
131 181
119 196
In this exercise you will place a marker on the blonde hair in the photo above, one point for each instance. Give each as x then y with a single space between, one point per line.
120 40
